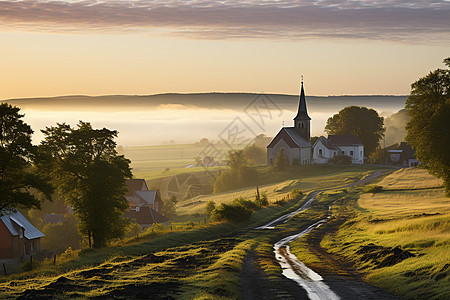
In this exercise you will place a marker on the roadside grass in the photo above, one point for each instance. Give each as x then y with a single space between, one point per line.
417 221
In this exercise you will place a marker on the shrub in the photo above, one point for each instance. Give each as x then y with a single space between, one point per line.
247 204
262 201
373 189
280 202
296 194
190 223
210 206
231 212
341 160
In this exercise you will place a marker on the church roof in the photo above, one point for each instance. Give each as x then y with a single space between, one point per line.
344 140
302 111
291 136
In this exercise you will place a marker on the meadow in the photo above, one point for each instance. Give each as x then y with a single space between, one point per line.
397 238
197 261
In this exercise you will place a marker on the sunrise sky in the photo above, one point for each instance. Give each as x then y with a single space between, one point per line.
90 47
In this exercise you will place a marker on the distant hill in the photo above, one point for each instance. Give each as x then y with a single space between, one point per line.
234 101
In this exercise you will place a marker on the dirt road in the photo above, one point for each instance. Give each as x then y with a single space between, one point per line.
339 280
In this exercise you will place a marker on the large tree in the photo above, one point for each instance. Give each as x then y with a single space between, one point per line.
20 185
429 129
90 176
363 122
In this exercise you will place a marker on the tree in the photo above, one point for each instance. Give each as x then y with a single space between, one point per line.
210 206
281 161
20 184
90 176
169 208
363 122
255 154
429 130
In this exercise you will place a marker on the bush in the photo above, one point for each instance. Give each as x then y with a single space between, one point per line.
296 194
341 160
280 202
262 201
210 206
247 204
373 189
190 224
231 212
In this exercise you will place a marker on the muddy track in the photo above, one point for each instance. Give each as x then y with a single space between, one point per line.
340 280
255 284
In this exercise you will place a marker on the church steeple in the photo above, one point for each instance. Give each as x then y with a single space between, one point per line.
302 120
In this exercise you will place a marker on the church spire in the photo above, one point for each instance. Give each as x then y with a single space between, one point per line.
302 111
302 120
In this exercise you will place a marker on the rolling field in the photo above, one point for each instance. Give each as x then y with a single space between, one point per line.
399 237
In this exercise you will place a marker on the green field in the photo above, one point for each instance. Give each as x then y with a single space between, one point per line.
410 213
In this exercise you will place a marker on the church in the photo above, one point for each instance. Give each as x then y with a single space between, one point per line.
294 141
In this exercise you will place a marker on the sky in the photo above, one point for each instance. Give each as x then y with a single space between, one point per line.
90 47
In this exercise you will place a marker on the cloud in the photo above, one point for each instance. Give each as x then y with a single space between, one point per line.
408 21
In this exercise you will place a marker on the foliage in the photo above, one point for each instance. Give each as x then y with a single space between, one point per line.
341 160
296 194
210 206
90 176
59 237
231 212
262 201
363 122
239 175
169 208
429 130
396 127
313 140
373 188
18 177
190 223
379 156
255 154
281 162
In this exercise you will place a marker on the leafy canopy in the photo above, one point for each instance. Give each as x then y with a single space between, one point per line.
363 122
429 129
20 184
90 177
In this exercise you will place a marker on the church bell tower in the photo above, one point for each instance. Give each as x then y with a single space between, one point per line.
302 120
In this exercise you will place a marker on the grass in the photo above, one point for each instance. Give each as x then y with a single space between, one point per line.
202 262
416 220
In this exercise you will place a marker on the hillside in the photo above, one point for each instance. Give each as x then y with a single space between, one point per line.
234 101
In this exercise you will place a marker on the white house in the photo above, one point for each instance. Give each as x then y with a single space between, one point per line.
294 141
325 149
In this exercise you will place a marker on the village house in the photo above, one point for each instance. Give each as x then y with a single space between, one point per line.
325 149
294 141
403 155
18 237
144 205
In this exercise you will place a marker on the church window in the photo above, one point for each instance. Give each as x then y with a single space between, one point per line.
320 151
351 153
303 125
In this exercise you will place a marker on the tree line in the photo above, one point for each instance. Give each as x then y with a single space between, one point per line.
80 163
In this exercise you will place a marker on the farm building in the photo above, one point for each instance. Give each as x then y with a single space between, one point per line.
325 149
293 141
18 237
144 205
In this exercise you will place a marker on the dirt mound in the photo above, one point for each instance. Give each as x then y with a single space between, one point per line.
383 256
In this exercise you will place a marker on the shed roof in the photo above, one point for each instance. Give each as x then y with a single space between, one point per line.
14 220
